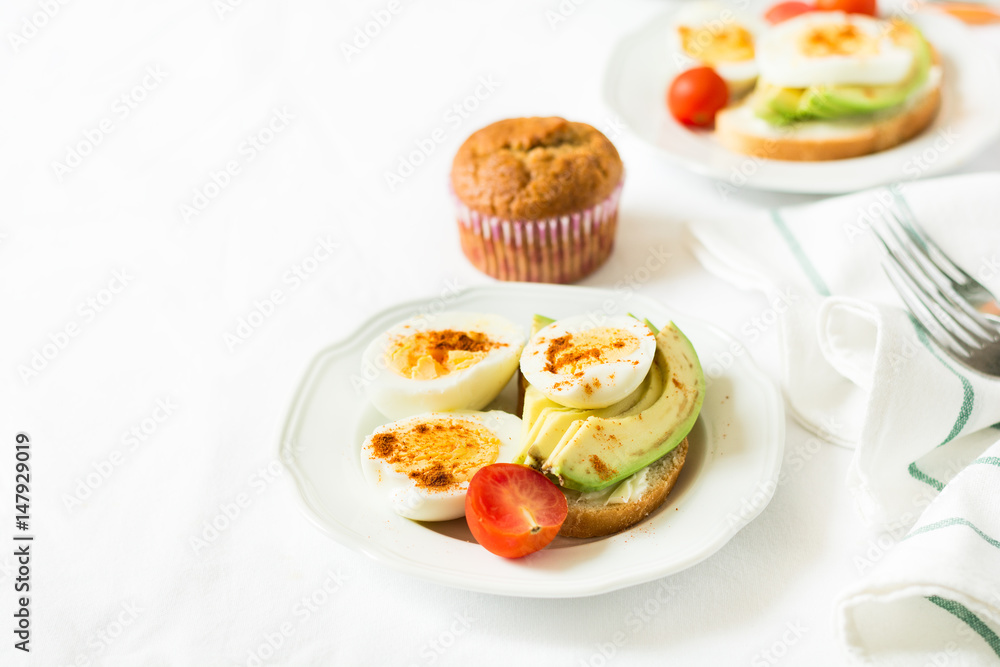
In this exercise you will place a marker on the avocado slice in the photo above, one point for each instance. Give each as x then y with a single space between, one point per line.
549 421
775 104
604 451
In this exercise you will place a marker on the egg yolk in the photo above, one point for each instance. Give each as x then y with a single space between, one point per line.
837 40
426 355
571 353
713 45
437 453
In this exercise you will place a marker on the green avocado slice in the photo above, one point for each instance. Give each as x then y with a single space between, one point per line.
551 421
604 451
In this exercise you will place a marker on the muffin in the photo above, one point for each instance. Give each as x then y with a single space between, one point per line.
537 199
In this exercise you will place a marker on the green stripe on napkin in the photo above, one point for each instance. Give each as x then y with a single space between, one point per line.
962 613
954 521
968 393
919 475
799 253
989 460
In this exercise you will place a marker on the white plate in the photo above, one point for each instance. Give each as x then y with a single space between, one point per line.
641 68
735 455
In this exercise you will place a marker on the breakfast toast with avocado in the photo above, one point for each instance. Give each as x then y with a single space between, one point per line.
618 463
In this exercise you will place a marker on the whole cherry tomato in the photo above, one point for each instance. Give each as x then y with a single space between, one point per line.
696 95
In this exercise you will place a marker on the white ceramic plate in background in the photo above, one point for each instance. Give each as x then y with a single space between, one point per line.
641 69
734 460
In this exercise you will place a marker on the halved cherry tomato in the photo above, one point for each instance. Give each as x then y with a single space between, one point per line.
850 6
786 10
513 510
696 95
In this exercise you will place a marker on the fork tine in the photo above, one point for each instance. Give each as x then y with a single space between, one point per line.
942 298
916 299
943 286
942 260
941 335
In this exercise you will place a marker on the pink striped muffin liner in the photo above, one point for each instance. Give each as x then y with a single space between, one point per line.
563 249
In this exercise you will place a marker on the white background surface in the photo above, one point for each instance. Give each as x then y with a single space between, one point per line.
123 561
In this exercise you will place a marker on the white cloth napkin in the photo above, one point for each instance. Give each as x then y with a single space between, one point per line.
857 370
935 597
860 372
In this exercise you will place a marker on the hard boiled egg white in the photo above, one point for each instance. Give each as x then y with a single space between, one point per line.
829 48
423 464
582 366
450 361
716 35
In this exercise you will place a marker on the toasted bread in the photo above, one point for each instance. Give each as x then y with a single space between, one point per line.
590 517
740 130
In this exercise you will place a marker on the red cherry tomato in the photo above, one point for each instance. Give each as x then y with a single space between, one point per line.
513 510
696 95
850 6
786 10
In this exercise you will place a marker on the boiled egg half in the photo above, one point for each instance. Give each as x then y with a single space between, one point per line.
449 361
423 464
830 48
716 35
580 365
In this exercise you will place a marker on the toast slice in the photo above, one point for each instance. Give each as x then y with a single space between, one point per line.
740 130
589 516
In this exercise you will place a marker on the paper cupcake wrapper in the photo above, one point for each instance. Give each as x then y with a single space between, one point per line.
563 249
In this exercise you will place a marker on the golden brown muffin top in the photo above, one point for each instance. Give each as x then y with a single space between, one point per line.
534 168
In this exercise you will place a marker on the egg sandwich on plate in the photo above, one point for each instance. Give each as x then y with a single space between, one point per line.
833 85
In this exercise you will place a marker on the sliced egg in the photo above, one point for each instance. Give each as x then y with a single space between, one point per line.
423 464
716 35
579 365
450 361
830 48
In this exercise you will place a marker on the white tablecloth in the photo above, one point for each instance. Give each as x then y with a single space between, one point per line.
195 201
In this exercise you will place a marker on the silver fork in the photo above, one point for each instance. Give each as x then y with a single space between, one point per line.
952 306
